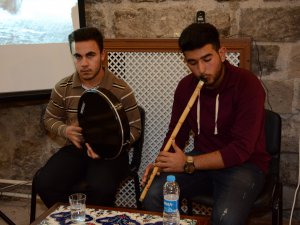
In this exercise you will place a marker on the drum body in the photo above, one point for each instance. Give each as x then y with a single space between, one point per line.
104 123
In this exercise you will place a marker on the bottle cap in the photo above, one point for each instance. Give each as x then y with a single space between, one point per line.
170 178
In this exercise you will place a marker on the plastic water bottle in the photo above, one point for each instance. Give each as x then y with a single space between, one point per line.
171 214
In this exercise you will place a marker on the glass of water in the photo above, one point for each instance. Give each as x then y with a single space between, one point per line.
77 207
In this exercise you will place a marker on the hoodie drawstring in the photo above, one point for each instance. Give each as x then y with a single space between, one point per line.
216 114
198 114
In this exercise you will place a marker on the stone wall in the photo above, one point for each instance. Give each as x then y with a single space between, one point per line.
272 24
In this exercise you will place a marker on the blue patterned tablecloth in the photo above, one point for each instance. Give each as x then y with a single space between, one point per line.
61 216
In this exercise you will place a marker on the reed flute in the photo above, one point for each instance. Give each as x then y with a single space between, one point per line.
174 133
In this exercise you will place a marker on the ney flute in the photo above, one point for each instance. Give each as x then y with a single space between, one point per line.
174 133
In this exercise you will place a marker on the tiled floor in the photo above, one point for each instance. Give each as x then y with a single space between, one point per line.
18 210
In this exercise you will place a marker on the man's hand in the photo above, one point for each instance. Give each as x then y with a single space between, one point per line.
166 162
73 133
91 152
171 161
147 173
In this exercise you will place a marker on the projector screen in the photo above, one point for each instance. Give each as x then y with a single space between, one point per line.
34 47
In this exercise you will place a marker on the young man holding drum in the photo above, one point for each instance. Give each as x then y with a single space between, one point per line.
227 121
77 163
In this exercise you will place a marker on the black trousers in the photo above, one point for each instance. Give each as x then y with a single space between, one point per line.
70 170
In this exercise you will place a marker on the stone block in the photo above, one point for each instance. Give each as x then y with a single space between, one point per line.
297 96
161 23
7 141
221 20
288 198
289 168
280 95
92 2
264 59
231 0
95 16
138 1
149 23
280 24
25 141
293 62
289 141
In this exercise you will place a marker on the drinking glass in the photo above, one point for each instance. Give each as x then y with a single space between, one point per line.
77 207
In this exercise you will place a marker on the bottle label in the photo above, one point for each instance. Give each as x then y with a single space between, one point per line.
170 206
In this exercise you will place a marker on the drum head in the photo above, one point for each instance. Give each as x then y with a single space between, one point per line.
104 122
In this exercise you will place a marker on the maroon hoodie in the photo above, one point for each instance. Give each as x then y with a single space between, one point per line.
231 118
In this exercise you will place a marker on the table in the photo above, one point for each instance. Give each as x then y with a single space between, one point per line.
60 214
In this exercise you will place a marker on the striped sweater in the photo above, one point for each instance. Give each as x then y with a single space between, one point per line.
61 110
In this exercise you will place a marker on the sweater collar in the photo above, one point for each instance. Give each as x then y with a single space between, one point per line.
106 82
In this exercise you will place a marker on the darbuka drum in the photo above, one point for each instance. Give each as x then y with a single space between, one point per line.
104 122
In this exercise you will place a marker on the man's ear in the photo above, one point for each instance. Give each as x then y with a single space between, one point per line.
103 55
103 58
222 53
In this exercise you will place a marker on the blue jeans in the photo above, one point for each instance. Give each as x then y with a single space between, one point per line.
234 191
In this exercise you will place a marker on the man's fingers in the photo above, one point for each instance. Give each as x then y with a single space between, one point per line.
91 153
147 174
175 146
77 144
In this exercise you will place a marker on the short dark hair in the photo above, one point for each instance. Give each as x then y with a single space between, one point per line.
196 35
86 34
